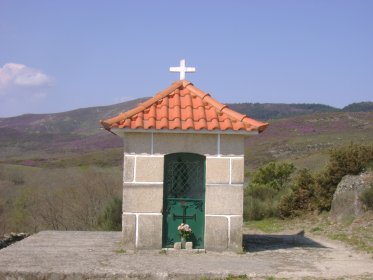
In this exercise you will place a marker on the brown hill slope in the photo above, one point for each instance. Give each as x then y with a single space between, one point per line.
306 140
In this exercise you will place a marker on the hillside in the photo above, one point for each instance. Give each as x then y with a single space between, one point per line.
76 132
267 111
306 140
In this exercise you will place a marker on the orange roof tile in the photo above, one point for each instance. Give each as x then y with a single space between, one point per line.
182 106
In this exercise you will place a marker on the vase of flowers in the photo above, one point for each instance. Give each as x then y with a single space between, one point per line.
185 231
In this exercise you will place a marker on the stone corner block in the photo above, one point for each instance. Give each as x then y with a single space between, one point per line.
217 170
149 232
142 198
129 231
149 169
235 242
224 199
128 168
237 170
232 145
216 234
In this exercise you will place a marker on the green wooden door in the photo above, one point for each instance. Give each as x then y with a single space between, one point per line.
184 197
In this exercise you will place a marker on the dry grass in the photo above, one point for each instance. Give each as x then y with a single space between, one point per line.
34 198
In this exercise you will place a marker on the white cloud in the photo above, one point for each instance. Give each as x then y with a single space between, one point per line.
19 75
22 89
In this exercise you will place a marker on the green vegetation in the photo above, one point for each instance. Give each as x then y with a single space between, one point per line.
120 251
367 197
236 277
269 225
111 219
278 190
352 240
267 186
301 198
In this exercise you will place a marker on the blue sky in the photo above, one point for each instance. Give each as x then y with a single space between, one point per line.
62 55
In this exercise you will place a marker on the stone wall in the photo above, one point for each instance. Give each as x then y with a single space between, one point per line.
143 187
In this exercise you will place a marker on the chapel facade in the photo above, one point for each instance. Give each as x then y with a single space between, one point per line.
183 163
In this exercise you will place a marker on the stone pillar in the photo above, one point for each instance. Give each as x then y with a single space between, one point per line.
224 195
142 201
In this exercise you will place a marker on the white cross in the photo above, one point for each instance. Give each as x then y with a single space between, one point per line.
183 69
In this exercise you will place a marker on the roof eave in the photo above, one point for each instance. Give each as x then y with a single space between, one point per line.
119 131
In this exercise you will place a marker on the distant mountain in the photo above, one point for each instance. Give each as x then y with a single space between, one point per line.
84 121
267 111
78 131
359 107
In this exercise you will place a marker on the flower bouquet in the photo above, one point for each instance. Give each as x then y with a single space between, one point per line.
185 231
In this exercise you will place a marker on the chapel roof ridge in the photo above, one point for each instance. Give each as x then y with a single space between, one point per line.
182 106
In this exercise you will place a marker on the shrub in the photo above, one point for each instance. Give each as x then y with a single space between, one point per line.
367 197
302 196
111 219
351 159
268 185
274 175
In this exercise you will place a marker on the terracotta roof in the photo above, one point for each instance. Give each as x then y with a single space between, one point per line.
182 106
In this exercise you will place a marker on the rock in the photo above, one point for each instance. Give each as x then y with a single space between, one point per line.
9 239
346 202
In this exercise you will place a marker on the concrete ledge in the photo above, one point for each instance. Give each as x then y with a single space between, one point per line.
144 198
224 199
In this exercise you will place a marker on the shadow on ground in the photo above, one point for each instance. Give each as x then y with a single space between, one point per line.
267 242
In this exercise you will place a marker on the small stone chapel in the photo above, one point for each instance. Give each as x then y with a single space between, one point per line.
183 163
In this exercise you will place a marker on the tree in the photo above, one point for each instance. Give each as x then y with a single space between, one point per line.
274 175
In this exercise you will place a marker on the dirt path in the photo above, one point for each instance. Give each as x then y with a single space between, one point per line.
97 255
297 256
